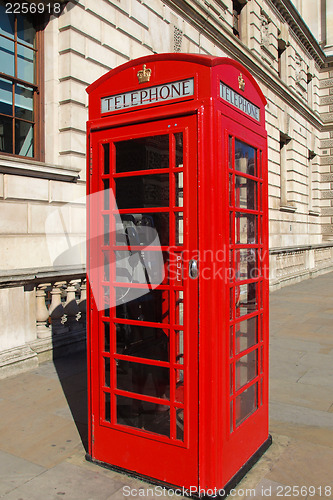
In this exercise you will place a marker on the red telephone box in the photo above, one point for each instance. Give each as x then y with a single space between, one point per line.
178 270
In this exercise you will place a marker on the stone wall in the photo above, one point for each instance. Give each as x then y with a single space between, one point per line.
91 37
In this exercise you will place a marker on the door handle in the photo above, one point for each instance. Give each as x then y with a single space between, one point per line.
193 269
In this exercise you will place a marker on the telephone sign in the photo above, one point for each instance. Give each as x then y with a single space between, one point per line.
177 268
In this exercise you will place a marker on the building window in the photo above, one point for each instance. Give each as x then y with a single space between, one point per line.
285 204
237 6
20 92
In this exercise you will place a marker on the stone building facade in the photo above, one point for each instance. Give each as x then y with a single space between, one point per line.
286 45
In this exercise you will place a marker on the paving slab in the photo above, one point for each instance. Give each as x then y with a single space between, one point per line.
43 425
15 472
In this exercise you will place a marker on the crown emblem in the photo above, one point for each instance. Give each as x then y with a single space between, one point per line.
241 82
144 74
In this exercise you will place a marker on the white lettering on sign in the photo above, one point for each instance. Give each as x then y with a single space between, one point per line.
237 100
159 93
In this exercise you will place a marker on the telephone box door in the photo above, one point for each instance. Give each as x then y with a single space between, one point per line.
144 346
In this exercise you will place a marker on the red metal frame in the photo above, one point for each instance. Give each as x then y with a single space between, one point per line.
214 447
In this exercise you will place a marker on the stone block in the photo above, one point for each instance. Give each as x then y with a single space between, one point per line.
72 141
83 70
101 54
115 40
83 21
71 90
46 219
78 219
104 10
64 192
27 188
72 115
18 322
129 27
1 185
160 38
72 40
13 218
139 13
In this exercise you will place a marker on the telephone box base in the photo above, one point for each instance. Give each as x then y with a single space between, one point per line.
227 488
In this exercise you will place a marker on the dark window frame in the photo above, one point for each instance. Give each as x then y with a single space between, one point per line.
37 87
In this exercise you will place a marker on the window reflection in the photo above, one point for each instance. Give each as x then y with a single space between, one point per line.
144 379
246 334
246 403
143 415
146 153
245 228
246 369
245 158
142 342
246 193
152 306
246 299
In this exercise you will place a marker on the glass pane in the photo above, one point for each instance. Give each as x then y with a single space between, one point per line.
25 63
106 230
142 191
231 376
24 104
143 229
230 151
246 369
6 97
142 342
246 299
179 216
7 56
179 319
179 189
179 395
24 139
106 337
152 306
179 346
246 334
143 379
180 424
231 416
106 187
146 153
143 415
245 193
230 190
231 341
6 135
106 257
245 158
146 267
106 297
246 403
25 31
6 23
107 372
107 406
106 149
245 228
179 149
246 264
231 228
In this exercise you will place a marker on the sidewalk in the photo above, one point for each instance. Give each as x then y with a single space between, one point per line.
43 423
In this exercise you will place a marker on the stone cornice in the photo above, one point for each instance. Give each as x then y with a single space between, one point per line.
296 23
202 17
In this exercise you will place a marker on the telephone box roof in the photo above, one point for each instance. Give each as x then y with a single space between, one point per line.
200 59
